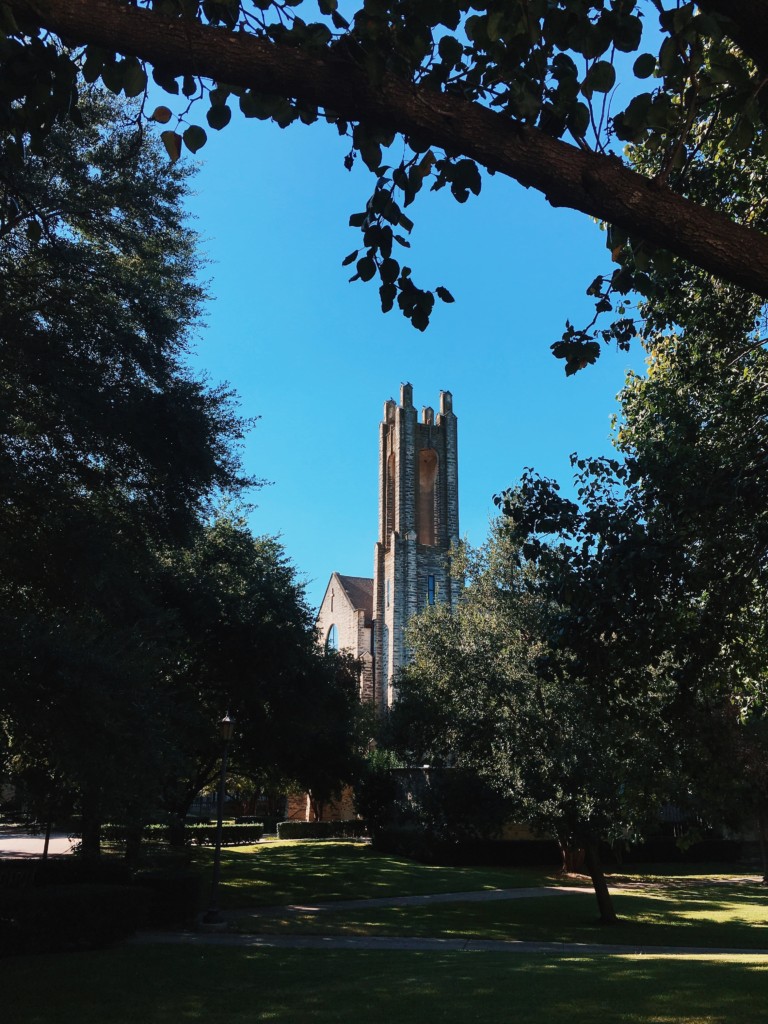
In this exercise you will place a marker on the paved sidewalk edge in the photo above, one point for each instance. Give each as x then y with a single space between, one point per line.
387 942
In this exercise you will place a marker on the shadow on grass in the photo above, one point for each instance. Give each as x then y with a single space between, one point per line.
165 985
645 921
278 873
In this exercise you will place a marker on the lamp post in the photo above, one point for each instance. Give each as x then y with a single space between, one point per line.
212 915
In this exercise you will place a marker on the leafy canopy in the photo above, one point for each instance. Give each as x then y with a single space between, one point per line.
547 93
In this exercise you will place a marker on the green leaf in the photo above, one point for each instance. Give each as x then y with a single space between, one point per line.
218 117
218 97
161 114
366 268
350 259
601 77
578 121
444 294
261 105
387 293
8 22
450 50
465 178
172 142
194 138
668 55
389 270
644 66
628 33
134 78
165 80
493 26
112 76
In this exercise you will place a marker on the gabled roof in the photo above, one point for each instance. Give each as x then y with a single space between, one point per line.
359 590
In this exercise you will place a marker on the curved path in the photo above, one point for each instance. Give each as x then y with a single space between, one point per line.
434 945
217 936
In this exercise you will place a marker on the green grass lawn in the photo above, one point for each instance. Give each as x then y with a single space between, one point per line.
275 873
662 909
171 985
731 917
158 984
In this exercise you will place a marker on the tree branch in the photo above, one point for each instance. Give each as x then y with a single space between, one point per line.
596 184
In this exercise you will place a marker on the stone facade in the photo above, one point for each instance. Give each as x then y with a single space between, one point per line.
418 523
345 622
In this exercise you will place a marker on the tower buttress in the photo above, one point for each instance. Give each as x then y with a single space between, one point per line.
418 523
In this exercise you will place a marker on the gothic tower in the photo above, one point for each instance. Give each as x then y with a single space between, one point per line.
418 523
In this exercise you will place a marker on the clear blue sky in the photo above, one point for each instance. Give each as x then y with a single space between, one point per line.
315 358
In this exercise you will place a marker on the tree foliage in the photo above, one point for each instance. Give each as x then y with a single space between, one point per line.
527 88
491 690
246 644
130 620
660 567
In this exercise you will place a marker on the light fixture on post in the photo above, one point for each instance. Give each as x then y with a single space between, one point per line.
212 915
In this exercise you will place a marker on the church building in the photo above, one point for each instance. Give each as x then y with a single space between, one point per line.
418 524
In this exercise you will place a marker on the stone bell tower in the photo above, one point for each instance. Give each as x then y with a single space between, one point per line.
418 523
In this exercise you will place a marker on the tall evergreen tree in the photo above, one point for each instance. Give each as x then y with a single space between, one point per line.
111 449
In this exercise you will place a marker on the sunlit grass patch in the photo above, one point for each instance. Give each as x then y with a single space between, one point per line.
271 874
717 917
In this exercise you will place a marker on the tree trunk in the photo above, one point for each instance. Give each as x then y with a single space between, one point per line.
572 858
48 824
761 840
133 836
176 831
91 838
596 873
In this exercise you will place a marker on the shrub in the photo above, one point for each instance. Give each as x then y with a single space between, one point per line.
352 829
170 898
231 835
75 871
201 834
55 918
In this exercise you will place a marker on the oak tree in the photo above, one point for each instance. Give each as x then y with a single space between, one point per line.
112 450
546 93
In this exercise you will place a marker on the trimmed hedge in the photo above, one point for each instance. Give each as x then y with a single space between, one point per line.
418 844
231 835
200 834
351 829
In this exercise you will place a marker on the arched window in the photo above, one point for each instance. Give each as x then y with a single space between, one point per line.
332 640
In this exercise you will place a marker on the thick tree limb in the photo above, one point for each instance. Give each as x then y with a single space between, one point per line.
595 184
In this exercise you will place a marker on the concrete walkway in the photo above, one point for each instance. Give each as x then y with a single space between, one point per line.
482 896
20 842
217 936
371 942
